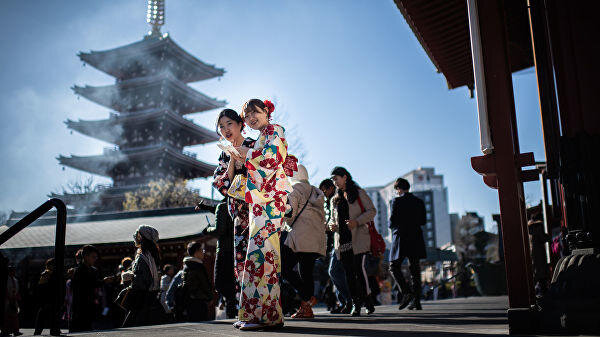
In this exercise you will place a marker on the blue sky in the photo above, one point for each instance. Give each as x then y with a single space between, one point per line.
349 75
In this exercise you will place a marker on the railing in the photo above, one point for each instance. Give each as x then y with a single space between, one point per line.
59 254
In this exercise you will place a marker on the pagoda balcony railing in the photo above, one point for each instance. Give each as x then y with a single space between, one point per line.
116 149
190 154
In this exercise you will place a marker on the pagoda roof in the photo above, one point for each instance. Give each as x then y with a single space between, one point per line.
157 91
103 164
151 56
110 130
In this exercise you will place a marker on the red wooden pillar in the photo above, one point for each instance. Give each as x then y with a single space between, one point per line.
502 167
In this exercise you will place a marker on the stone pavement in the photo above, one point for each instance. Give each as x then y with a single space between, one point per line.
475 316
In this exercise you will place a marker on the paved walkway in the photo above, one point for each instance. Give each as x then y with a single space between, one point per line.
474 316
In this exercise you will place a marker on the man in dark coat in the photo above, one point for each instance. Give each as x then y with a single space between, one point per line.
224 277
84 283
196 285
408 215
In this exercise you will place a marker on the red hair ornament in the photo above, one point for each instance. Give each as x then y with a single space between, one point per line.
270 107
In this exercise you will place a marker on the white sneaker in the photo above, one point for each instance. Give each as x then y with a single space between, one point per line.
238 324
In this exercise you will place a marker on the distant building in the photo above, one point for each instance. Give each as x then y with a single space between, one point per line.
473 242
426 185
453 224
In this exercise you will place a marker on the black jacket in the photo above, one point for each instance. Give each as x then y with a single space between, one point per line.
195 282
408 215
223 230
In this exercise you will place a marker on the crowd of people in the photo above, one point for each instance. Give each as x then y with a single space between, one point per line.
283 245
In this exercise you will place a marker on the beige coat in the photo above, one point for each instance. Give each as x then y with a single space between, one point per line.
361 239
308 232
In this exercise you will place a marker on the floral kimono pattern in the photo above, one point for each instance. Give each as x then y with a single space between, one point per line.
238 209
266 193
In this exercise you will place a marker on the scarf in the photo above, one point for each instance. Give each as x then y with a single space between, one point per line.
343 213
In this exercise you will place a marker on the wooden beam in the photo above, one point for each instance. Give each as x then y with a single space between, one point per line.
502 122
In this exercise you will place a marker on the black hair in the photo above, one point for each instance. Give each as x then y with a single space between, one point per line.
351 186
254 105
402 183
193 247
151 247
167 267
231 114
50 263
326 183
88 249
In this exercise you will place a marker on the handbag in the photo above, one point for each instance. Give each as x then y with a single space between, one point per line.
377 242
129 298
237 190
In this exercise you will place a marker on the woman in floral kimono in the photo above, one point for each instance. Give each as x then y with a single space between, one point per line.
230 126
266 190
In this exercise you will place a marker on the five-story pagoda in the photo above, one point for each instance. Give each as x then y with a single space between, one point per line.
150 97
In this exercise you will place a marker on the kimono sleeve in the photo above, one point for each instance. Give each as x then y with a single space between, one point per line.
273 153
221 180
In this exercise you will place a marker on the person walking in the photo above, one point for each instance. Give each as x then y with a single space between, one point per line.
224 278
265 190
230 126
336 272
407 218
144 307
10 323
46 287
197 290
165 281
83 285
351 212
306 240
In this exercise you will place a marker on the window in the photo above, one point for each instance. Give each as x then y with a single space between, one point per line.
427 197
428 216
429 235
429 225
430 243
428 206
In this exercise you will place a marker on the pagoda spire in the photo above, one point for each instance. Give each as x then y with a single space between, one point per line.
155 16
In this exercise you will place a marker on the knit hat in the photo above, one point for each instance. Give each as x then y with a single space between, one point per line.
147 232
301 174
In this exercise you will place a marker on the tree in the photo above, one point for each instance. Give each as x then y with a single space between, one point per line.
79 186
161 193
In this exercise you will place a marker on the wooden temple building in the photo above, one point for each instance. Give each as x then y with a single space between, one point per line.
149 100
479 44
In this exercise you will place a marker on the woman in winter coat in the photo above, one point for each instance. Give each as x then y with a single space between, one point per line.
145 280
351 211
306 239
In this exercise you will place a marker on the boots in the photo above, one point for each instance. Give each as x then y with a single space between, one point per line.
356 308
347 308
415 304
305 311
406 299
370 305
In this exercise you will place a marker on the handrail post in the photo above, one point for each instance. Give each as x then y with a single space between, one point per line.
59 253
59 258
